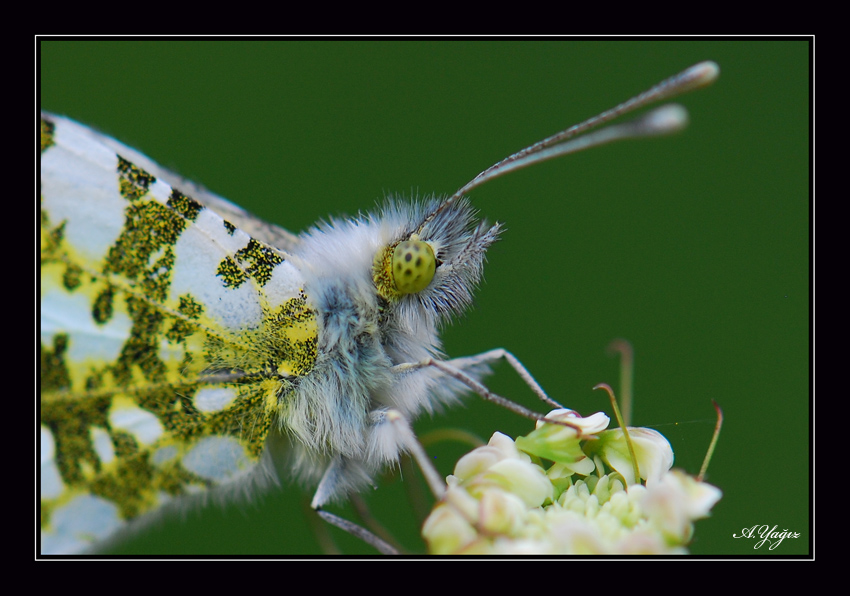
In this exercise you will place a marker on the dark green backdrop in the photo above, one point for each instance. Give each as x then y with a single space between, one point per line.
696 248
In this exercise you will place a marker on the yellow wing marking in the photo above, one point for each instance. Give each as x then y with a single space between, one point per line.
170 339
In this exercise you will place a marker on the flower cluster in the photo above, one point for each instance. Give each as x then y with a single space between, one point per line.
502 500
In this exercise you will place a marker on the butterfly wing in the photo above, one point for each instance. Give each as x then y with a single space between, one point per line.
266 232
169 338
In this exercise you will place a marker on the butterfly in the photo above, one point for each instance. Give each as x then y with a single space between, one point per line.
179 334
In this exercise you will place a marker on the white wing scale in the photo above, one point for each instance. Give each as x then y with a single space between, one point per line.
159 320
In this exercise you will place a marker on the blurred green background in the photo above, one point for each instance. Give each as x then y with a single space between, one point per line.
696 248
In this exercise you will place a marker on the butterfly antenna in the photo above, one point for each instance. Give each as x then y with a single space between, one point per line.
661 121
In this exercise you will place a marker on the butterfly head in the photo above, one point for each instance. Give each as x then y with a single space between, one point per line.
434 260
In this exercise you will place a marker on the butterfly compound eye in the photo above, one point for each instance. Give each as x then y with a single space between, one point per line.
414 264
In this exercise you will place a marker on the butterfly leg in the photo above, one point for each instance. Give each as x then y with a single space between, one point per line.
358 531
335 478
344 473
456 368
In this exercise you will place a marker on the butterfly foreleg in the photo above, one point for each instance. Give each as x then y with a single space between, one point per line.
457 367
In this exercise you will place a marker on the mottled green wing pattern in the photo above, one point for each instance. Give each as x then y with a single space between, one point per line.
170 340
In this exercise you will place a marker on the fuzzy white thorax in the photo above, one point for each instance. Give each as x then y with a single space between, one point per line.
336 414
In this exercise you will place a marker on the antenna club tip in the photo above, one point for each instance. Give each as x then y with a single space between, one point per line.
666 119
702 74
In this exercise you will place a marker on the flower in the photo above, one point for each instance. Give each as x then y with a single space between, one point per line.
505 498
